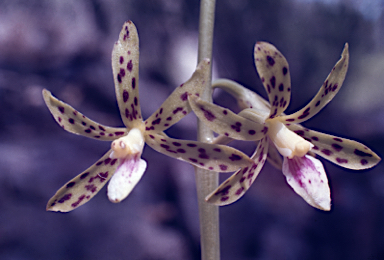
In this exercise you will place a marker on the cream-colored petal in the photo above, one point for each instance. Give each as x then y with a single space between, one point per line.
176 106
343 152
245 97
212 157
273 71
326 93
307 177
235 186
125 66
83 187
224 121
75 122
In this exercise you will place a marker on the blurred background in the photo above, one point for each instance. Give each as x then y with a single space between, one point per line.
65 46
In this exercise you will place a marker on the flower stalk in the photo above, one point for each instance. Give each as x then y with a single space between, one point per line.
206 181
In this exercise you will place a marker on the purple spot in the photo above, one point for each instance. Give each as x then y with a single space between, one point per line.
290 119
337 147
184 96
152 136
239 191
223 167
317 103
224 198
341 160
177 110
84 175
125 96
281 87
133 83
92 127
361 153
180 150
191 145
113 161
119 133
165 146
135 101
71 121
88 130
235 157
236 127
176 144
225 112
83 123
270 60
101 128
91 187
192 160
65 197
61 109
315 138
363 162
217 150
273 81
122 72
326 152
119 78
338 139
121 59
300 132
208 114
70 185
129 66
106 161
156 122
285 70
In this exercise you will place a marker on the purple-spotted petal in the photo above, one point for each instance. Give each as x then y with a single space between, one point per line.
224 121
83 187
235 186
127 175
307 177
219 158
176 106
273 71
343 152
326 93
75 122
245 97
125 66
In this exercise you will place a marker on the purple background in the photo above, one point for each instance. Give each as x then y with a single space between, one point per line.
65 46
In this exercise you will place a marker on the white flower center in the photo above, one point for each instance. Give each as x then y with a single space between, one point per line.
130 144
288 143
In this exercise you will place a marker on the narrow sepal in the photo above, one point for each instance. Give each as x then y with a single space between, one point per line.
307 177
75 122
125 178
224 121
176 106
125 66
341 151
83 187
212 157
245 97
273 71
235 186
326 93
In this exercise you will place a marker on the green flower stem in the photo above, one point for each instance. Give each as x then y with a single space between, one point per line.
207 181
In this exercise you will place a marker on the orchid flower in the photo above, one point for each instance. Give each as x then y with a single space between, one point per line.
281 134
122 163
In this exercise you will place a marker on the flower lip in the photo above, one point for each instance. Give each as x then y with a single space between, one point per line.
130 144
288 143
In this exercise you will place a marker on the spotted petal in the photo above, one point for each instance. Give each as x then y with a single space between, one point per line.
245 97
75 122
343 152
125 66
83 187
307 177
224 121
176 106
127 175
212 157
326 93
273 71
235 186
